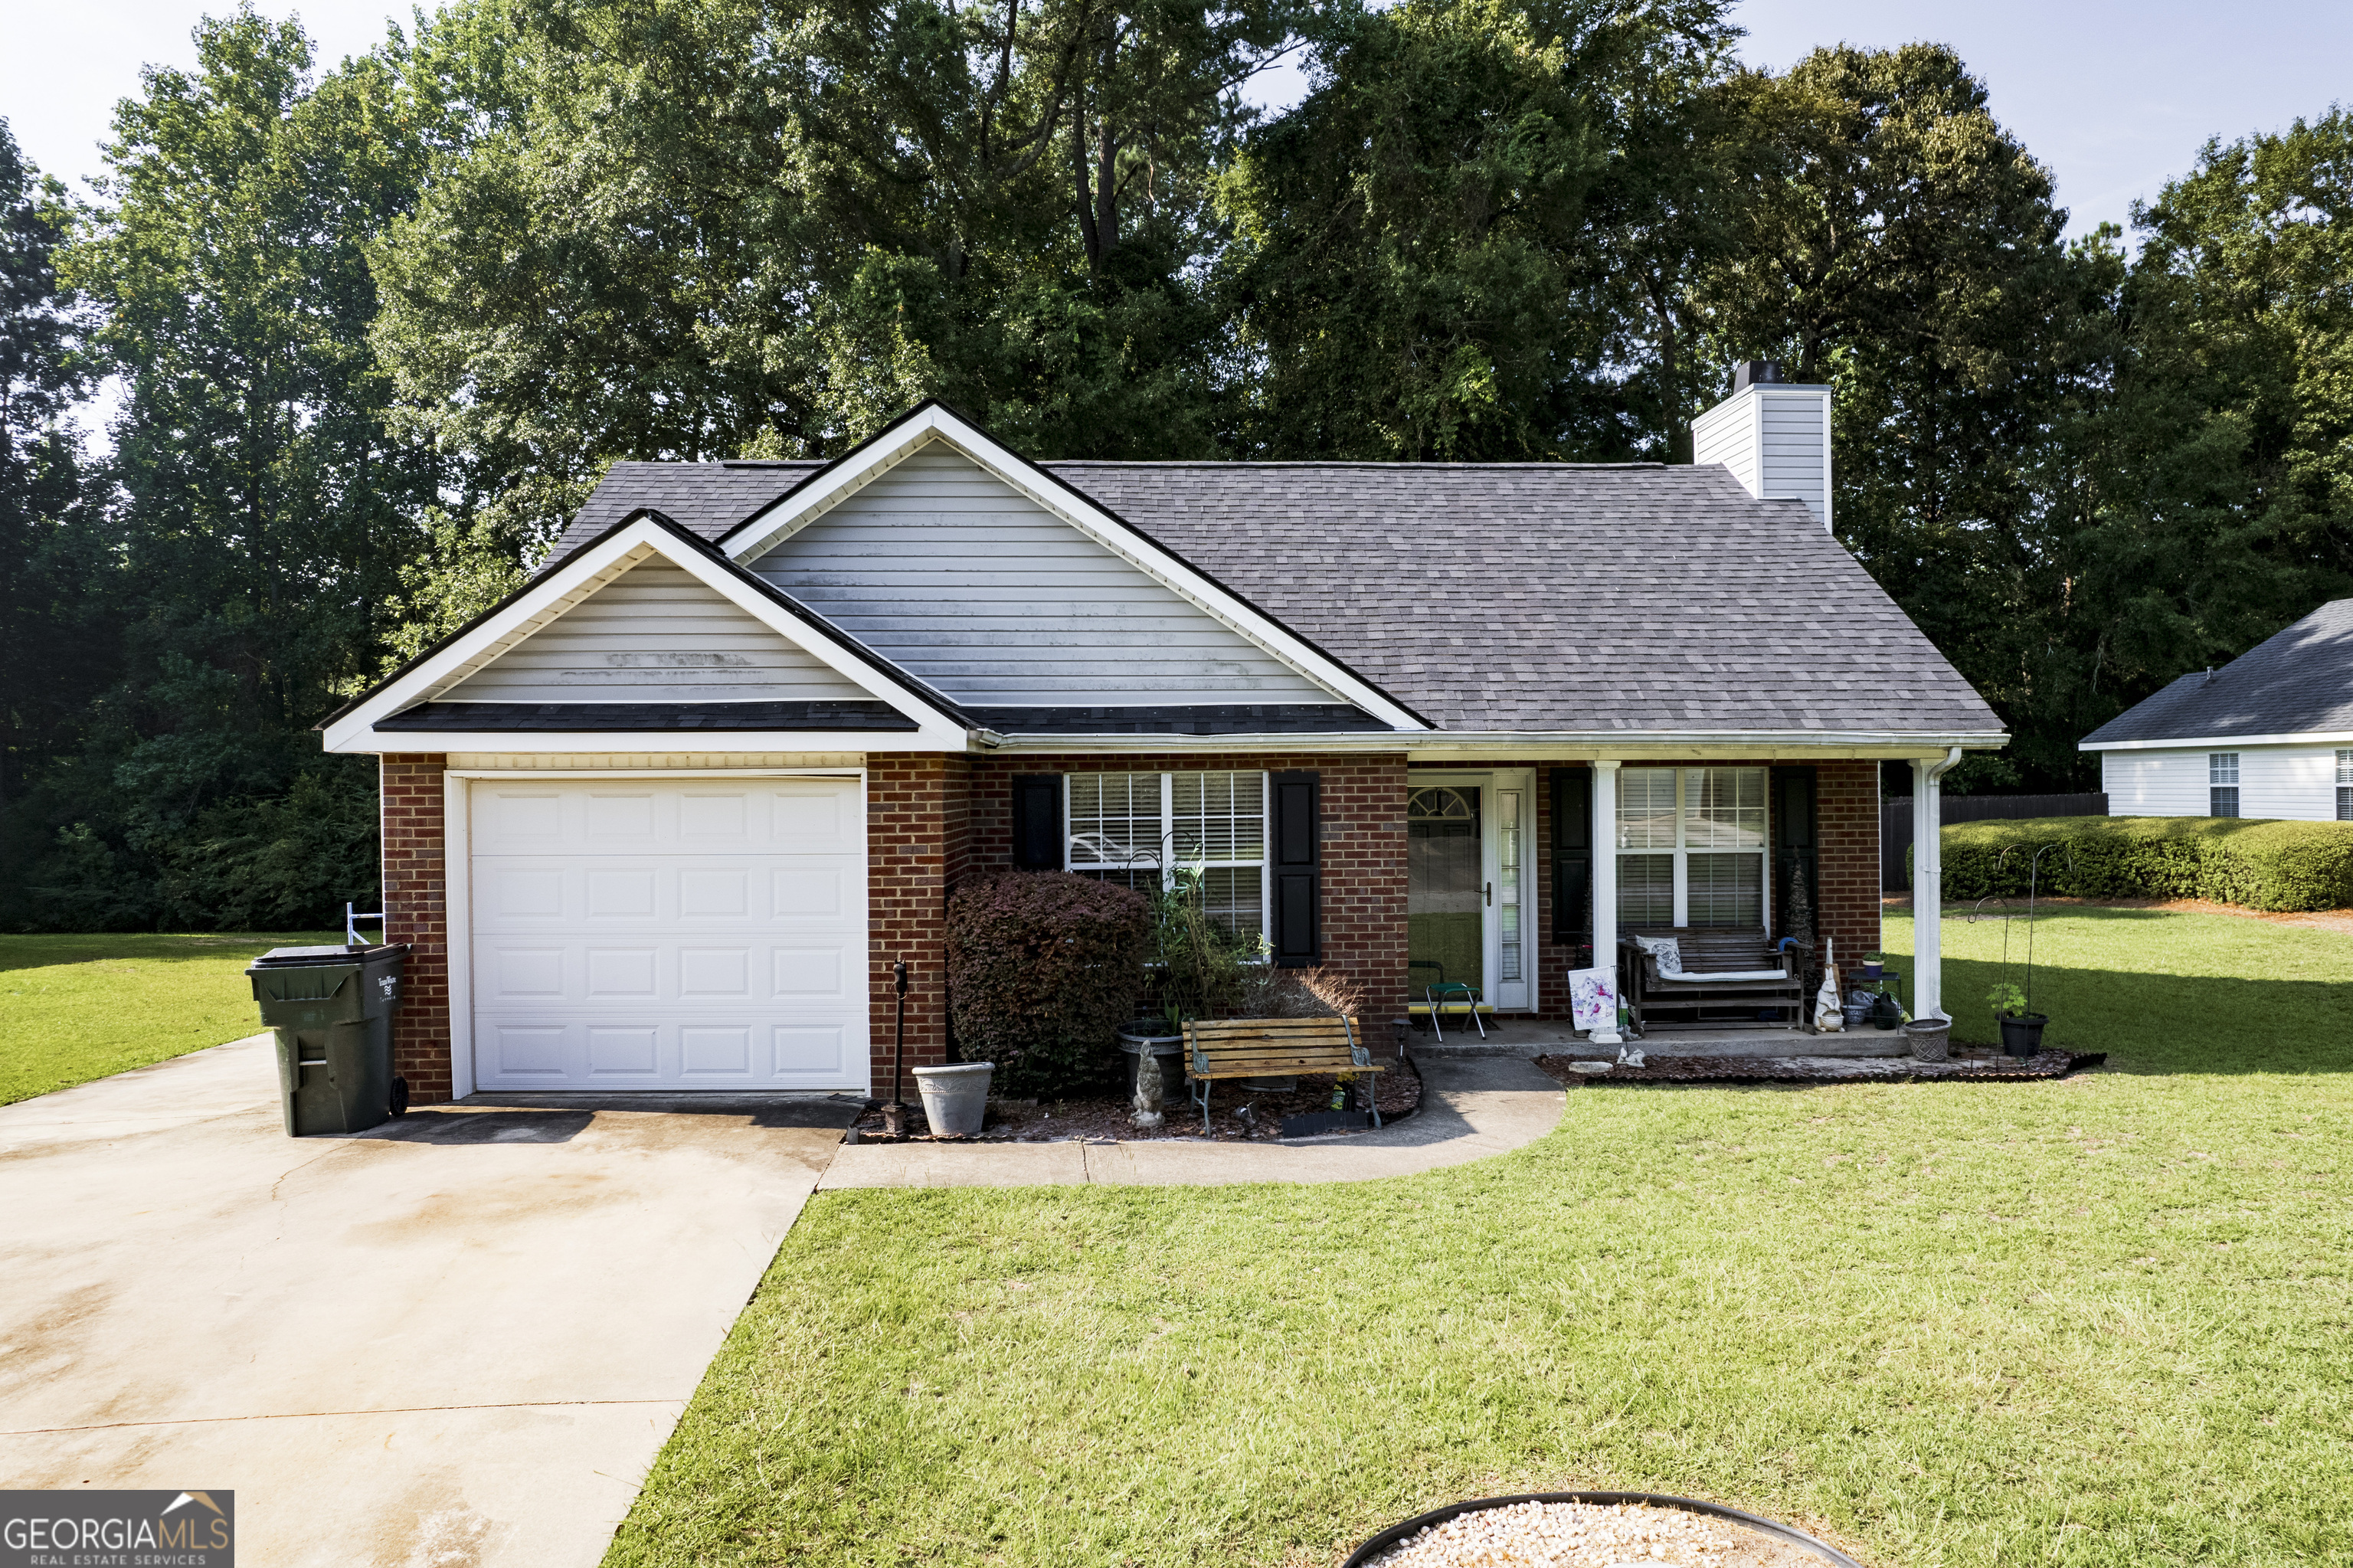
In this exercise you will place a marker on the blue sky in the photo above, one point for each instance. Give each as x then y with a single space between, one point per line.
2115 96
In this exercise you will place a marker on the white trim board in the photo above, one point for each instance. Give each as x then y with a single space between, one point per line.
750 541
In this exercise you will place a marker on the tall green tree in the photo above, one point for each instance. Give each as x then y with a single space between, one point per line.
262 504
2213 495
1423 264
1894 239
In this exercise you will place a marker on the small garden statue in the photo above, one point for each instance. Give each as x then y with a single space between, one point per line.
1150 1091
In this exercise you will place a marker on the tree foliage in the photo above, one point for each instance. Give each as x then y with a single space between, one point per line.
380 329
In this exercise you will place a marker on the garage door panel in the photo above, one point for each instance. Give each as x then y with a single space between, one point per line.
677 934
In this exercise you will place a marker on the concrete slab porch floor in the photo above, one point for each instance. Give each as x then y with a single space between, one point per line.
1530 1038
460 1340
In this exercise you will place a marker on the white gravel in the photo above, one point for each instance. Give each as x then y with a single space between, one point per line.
1591 1535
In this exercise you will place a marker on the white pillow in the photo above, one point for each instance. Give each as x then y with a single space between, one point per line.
1665 951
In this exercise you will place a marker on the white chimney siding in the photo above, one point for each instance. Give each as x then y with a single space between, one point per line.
1776 438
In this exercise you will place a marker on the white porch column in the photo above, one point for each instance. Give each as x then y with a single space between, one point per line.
1605 884
1928 885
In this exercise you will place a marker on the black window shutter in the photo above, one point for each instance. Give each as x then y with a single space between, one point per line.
1038 822
1294 863
1796 855
1572 858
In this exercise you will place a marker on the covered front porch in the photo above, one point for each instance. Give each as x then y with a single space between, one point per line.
1525 873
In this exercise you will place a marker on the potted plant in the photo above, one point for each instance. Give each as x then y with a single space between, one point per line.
1874 966
2021 1031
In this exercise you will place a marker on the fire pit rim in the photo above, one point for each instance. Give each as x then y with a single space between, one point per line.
1396 1532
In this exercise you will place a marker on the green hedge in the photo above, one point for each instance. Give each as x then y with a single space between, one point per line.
2227 859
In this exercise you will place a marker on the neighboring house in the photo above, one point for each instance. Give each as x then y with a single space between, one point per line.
666 817
2268 735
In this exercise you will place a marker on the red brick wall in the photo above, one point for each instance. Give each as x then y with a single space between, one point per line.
1847 797
415 911
1363 846
918 838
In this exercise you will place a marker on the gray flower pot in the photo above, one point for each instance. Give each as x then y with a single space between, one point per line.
955 1099
1931 1039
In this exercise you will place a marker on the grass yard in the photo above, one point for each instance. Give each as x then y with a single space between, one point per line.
2103 1320
77 1008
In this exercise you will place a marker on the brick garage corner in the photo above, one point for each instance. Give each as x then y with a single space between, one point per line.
417 911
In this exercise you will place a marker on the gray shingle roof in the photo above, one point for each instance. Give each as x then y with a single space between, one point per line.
2298 682
1503 596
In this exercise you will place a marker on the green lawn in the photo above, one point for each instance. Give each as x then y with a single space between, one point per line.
2103 1320
78 1008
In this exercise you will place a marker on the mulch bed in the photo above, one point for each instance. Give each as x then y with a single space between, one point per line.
1967 1067
1106 1118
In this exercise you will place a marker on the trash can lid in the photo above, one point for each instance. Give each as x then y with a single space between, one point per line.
295 958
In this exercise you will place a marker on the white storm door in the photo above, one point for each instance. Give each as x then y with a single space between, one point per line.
669 934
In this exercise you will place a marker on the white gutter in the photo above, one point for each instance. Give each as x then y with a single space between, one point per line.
1565 745
2222 742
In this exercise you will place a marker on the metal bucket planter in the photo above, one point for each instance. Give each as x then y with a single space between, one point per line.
1787 1533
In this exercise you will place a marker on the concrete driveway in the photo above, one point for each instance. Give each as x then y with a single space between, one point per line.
460 1340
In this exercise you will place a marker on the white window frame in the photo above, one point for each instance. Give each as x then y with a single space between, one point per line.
2222 773
1166 855
1681 850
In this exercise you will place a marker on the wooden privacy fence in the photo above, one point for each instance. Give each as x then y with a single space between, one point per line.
1895 823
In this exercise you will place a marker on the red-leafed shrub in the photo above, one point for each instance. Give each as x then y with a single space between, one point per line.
1043 967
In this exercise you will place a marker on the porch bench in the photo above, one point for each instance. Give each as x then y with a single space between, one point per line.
1709 951
1271 1047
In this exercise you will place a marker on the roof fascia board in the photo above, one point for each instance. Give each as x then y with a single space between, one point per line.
2222 742
638 537
656 742
1570 745
757 536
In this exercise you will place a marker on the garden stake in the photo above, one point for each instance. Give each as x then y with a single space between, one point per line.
894 1115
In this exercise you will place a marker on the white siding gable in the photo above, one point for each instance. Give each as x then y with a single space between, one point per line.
946 570
654 634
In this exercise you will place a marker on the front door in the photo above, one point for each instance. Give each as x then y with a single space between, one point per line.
1470 913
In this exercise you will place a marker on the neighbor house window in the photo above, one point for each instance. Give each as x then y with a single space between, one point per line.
2344 784
2221 783
1691 846
1140 829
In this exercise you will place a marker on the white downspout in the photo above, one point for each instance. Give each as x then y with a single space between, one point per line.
1605 884
1928 884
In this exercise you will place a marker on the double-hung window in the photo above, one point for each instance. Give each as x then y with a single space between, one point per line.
2344 784
2221 783
1691 846
1141 829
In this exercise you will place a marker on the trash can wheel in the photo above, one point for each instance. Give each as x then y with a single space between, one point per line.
399 1095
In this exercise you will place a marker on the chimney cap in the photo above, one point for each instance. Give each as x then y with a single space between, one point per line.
1747 373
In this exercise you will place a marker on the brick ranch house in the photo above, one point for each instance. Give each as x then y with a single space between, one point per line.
665 818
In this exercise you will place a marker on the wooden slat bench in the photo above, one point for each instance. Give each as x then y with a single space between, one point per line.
1708 951
1270 1048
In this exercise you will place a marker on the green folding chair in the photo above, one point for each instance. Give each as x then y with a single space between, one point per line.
1442 992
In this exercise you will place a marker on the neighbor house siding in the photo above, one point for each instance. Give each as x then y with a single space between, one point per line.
415 911
655 634
2296 782
1362 850
967 584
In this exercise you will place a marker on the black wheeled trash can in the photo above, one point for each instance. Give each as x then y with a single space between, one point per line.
331 1011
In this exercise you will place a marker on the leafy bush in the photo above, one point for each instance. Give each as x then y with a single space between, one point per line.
1043 967
2273 866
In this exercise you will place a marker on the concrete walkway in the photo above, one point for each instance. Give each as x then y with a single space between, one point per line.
1472 1107
458 1341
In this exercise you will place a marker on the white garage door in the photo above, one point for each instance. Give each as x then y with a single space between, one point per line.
669 935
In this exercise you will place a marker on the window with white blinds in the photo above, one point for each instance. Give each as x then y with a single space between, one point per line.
1691 846
1138 829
